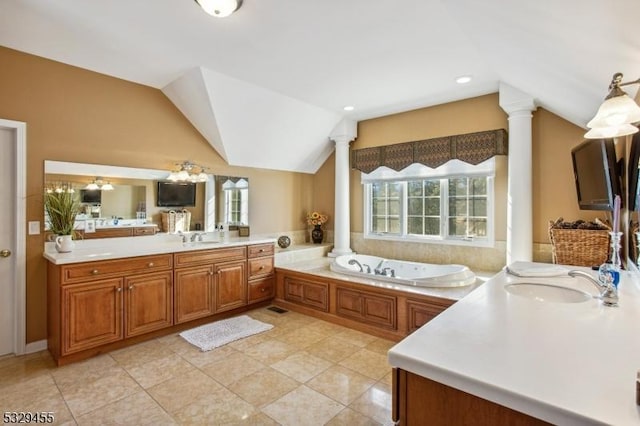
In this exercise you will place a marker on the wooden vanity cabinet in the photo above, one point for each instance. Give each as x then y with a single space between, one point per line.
102 305
96 303
209 281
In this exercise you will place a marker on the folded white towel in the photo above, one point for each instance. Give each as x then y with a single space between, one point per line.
530 269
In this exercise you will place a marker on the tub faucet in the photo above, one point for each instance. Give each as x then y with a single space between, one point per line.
360 265
608 292
355 262
388 272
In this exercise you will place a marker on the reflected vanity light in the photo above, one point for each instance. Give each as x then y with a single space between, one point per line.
188 172
98 184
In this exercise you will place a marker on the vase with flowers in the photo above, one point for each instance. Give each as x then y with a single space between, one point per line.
316 220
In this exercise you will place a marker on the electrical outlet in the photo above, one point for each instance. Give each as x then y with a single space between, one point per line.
34 227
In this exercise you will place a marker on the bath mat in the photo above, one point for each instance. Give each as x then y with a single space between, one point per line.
220 333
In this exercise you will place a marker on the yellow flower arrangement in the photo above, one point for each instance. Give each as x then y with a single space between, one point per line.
315 218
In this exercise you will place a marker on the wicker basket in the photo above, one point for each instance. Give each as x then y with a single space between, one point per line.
173 221
579 247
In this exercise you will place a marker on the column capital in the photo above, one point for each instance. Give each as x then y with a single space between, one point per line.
344 132
514 101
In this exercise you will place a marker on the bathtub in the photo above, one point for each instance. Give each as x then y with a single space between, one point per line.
403 272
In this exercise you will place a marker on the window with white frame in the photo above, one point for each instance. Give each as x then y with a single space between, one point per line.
451 204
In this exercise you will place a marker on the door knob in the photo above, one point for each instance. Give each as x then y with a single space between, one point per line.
5 253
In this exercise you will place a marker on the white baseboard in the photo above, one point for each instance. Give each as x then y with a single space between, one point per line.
40 345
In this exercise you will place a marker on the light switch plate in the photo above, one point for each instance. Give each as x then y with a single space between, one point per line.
34 227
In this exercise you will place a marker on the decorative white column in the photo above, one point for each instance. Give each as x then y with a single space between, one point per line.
519 106
345 132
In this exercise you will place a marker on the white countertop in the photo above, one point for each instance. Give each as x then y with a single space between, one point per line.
117 248
565 363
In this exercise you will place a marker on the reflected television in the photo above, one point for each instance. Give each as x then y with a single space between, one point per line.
176 194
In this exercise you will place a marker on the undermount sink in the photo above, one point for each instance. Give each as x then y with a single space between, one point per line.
201 243
548 292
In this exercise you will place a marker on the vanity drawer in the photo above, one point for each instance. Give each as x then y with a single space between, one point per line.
261 289
108 268
200 257
260 267
260 250
144 230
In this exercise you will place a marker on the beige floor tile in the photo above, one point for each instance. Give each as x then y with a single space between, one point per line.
302 337
27 392
178 392
355 337
325 327
258 419
232 368
264 387
199 358
333 350
368 363
380 346
270 351
351 418
141 353
302 366
83 371
14 369
341 384
375 403
303 406
159 370
219 407
112 386
138 409
388 379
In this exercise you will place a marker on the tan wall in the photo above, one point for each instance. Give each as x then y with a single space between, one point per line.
81 116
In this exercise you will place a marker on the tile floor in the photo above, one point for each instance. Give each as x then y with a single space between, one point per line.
304 371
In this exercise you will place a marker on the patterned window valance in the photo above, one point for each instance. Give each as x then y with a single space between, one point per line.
472 148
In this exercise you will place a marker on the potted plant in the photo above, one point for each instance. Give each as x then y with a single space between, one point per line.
62 207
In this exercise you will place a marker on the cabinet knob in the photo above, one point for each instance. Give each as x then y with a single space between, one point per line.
150 265
119 289
210 272
263 289
130 287
261 267
94 272
261 250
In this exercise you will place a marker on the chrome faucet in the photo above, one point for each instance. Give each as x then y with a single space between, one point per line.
388 272
608 291
184 237
360 265
196 236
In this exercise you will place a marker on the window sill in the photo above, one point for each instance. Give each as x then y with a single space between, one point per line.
485 243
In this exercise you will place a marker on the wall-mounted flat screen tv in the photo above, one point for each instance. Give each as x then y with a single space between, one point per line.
176 194
90 196
596 174
634 175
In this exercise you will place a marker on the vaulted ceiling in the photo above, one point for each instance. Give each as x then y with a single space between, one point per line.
277 73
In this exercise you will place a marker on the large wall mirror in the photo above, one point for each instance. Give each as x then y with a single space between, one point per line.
221 199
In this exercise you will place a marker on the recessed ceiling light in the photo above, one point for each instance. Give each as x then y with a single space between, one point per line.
463 79
349 108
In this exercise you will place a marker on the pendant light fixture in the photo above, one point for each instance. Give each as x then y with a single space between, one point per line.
616 114
219 8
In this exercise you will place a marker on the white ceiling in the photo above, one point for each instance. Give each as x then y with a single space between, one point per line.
276 74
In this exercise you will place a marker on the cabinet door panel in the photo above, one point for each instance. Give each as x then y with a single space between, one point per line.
149 303
260 267
92 314
309 293
231 286
193 294
349 303
421 313
380 310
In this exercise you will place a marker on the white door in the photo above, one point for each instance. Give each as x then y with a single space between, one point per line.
7 239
